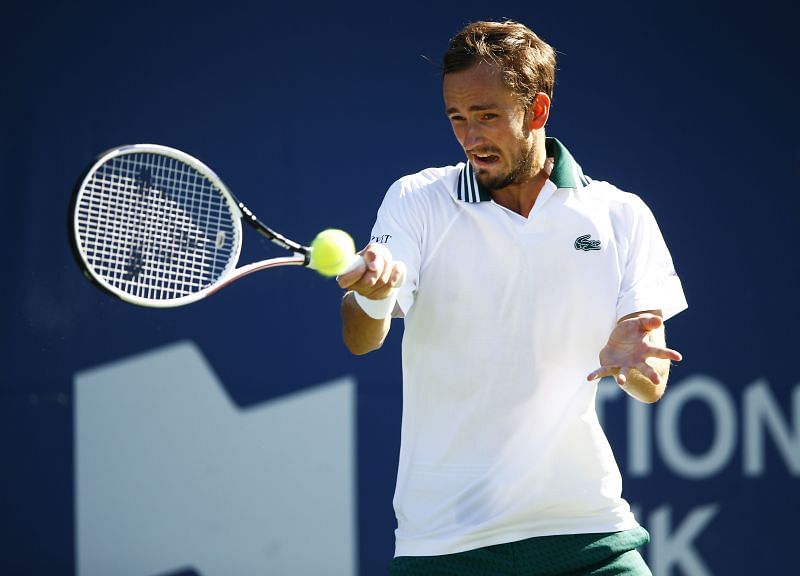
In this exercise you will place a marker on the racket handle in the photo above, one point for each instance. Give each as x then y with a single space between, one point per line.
354 263
357 260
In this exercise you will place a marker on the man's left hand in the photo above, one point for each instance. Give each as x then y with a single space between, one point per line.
634 340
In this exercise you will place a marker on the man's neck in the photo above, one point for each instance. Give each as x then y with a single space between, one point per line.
520 196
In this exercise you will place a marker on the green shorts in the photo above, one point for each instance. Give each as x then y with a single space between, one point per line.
609 554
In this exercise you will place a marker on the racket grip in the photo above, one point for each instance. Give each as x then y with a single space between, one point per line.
354 263
357 260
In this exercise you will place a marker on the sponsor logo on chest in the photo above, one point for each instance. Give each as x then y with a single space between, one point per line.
586 243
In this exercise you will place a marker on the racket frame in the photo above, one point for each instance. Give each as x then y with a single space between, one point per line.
301 253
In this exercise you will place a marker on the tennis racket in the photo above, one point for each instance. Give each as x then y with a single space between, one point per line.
156 227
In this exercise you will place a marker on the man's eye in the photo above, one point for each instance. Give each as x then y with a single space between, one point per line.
489 116
456 118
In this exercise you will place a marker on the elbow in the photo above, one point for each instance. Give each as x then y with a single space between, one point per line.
650 396
358 346
359 349
645 390
644 395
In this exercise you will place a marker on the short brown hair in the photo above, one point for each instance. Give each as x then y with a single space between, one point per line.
528 63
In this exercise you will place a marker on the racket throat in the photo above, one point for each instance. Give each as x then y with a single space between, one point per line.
274 236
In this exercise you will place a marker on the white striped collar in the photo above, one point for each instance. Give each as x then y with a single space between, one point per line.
566 173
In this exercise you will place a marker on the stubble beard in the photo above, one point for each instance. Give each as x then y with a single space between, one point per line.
519 171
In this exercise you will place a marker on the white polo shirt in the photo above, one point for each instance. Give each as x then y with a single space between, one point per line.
504 318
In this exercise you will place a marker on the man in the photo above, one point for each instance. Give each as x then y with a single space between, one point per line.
512 272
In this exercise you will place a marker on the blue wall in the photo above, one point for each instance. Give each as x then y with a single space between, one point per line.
309 113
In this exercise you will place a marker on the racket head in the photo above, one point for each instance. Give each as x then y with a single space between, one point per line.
154 226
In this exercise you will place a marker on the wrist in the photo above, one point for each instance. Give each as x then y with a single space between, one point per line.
377 309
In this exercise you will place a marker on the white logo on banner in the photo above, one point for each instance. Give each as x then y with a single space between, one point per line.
760 423
171 475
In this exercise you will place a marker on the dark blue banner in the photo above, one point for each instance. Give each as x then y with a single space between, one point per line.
237 435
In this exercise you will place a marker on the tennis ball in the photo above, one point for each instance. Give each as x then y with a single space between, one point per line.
332 251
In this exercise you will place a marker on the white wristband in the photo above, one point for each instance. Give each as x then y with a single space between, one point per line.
378 309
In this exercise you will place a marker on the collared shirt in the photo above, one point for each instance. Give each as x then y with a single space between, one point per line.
504 317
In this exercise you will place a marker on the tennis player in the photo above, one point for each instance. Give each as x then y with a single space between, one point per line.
514 272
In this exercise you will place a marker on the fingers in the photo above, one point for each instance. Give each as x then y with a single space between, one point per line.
621 373
621 377
373 259
378 275
665 353
602 372
650 373
398 275
347 279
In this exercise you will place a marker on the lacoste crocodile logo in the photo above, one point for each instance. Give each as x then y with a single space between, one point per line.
585 243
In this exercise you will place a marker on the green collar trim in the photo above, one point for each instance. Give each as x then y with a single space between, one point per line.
566 173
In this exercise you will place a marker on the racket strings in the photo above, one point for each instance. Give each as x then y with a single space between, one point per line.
155 227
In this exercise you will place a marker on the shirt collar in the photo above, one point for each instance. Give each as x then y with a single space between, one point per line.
566 173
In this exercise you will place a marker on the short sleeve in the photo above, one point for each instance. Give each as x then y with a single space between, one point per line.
649 280
399 227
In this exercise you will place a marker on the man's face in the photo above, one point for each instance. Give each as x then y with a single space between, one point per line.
490 125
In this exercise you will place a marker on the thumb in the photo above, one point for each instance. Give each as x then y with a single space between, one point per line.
649 322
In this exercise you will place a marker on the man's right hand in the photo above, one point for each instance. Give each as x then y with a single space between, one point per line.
374 279
377 276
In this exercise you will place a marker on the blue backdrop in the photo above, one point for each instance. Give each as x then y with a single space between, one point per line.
309 112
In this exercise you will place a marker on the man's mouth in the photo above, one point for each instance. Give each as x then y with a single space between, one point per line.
484 159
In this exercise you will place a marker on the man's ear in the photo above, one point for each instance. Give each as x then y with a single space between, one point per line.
539 111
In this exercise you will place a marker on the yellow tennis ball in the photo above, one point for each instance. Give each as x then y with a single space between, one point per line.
332 251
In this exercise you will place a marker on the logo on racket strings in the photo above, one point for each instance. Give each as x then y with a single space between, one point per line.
144 182
134 265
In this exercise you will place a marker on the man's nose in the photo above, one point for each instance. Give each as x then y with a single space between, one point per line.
473 136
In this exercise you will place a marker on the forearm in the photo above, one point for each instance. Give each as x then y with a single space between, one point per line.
361 332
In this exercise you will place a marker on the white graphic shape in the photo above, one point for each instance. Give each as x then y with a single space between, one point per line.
171 475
